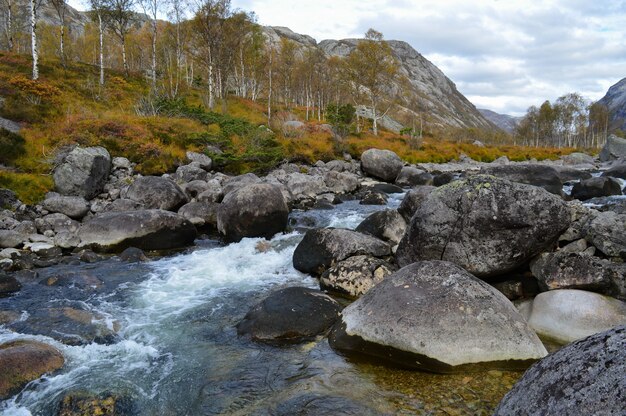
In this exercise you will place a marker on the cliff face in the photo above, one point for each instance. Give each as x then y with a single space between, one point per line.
503 121
615 101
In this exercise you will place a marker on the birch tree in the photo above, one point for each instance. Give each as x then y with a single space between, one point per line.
120 18
8 12
60 6
151 8
98 14
33 8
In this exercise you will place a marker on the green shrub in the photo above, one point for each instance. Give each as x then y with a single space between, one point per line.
11 146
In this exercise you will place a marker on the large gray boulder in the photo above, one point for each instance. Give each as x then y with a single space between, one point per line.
488 226
437 317
410 176
356 275
75 207
387 225
155 192
255 210
200 214
201 159
617 171
146 229
382 164
323 247
543 176
583 378
595 188
607 232
341 182
412 201
84 172
615 148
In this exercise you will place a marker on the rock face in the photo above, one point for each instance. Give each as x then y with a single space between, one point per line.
83 172
413 200
355 275
410 176
607 232
145 229
321 248
387 225
503 121
156 193
437 317
614 149
24 361
615 101
74 207
596 187
583 378
568 315
382 164
256 210
486 225
618 171
290 315
543 176
200 214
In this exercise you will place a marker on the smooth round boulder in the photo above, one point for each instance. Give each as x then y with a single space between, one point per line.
437 317
381 164
542 176
578 158
255 210
23 361
200 159
84 172
321 248
146 229
387 225
595 188
486 225
410 176
356 275
154 192
133 255
191 172
289 316
240 181
412 201
583 378
74 207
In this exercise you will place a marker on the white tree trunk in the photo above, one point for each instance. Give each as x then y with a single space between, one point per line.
126 69
211 88
269 94
9 27
62 43
154 45
33 38
101 30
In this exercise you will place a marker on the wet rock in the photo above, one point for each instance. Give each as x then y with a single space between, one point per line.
123 204
146 229
88 256
381 164
583 378
8 285
356 275
542 176
567 315
200 214
387 225
257 210
192 172
607 232
437 317
24 361
313 404
290 315
413 200
387 188
201 159
323 247
83 172
373 197
74 207
8 317
596 187
133 255
410 176
486 225
156 193
44 250
614 149
443 179
617 171
105 404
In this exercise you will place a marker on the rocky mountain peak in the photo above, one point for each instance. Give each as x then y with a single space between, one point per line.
615 101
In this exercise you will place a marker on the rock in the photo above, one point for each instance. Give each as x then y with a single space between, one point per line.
304 186
583 378
372 197
413 200
596 187
577 158
201 159
356 275
617 171
381 164
83 172
387 188
607 232
81 280
563 270
133 255
75 207
512 289
57 222
23 362
443 179
341 182
83 404
488 226
121 205
44 249
256 210
200 214
8 199
10 253
240 181
614 149
410 176
567 174
121 163
290 315
146 229
543 176
8 285
293 128
437 317
567 315
11 238
323 247
192 172
154 192
315 404
387 225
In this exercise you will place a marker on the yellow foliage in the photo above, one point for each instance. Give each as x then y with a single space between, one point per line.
29 188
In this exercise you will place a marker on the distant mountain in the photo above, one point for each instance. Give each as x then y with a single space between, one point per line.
503 121
615 101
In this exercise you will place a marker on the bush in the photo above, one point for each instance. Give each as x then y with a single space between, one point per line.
11 146
29 188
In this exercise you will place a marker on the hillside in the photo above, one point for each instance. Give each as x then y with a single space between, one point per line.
503 121
615 101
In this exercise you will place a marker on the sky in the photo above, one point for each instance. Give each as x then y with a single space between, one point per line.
503 55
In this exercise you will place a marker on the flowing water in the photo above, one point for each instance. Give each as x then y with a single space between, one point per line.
177 351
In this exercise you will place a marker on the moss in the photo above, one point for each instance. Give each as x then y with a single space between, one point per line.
29 188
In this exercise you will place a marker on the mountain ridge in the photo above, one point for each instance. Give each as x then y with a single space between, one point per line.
615 101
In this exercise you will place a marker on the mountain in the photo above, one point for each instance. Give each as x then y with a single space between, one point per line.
503 121
615 101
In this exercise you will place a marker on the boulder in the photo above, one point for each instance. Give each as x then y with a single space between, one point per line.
607 232
543 176
121 205
410 176
202 160
567 315
568 174
12 238
583 378
412 201
8 285
79 403
488 226
387 188
577 158
356 275
75 207
8 199
341 182
240 181
304 186
435 316
191 172
24 361
212 193
256 210
617 171
614 149
596 187
381 164
387 225
146 229
84 172
200 214
443 179
133 255
154 192
323 247
373 197
290 315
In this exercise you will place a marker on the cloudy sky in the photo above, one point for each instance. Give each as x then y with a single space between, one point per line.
504 55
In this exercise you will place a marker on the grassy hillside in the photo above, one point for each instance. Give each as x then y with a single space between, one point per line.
67 106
